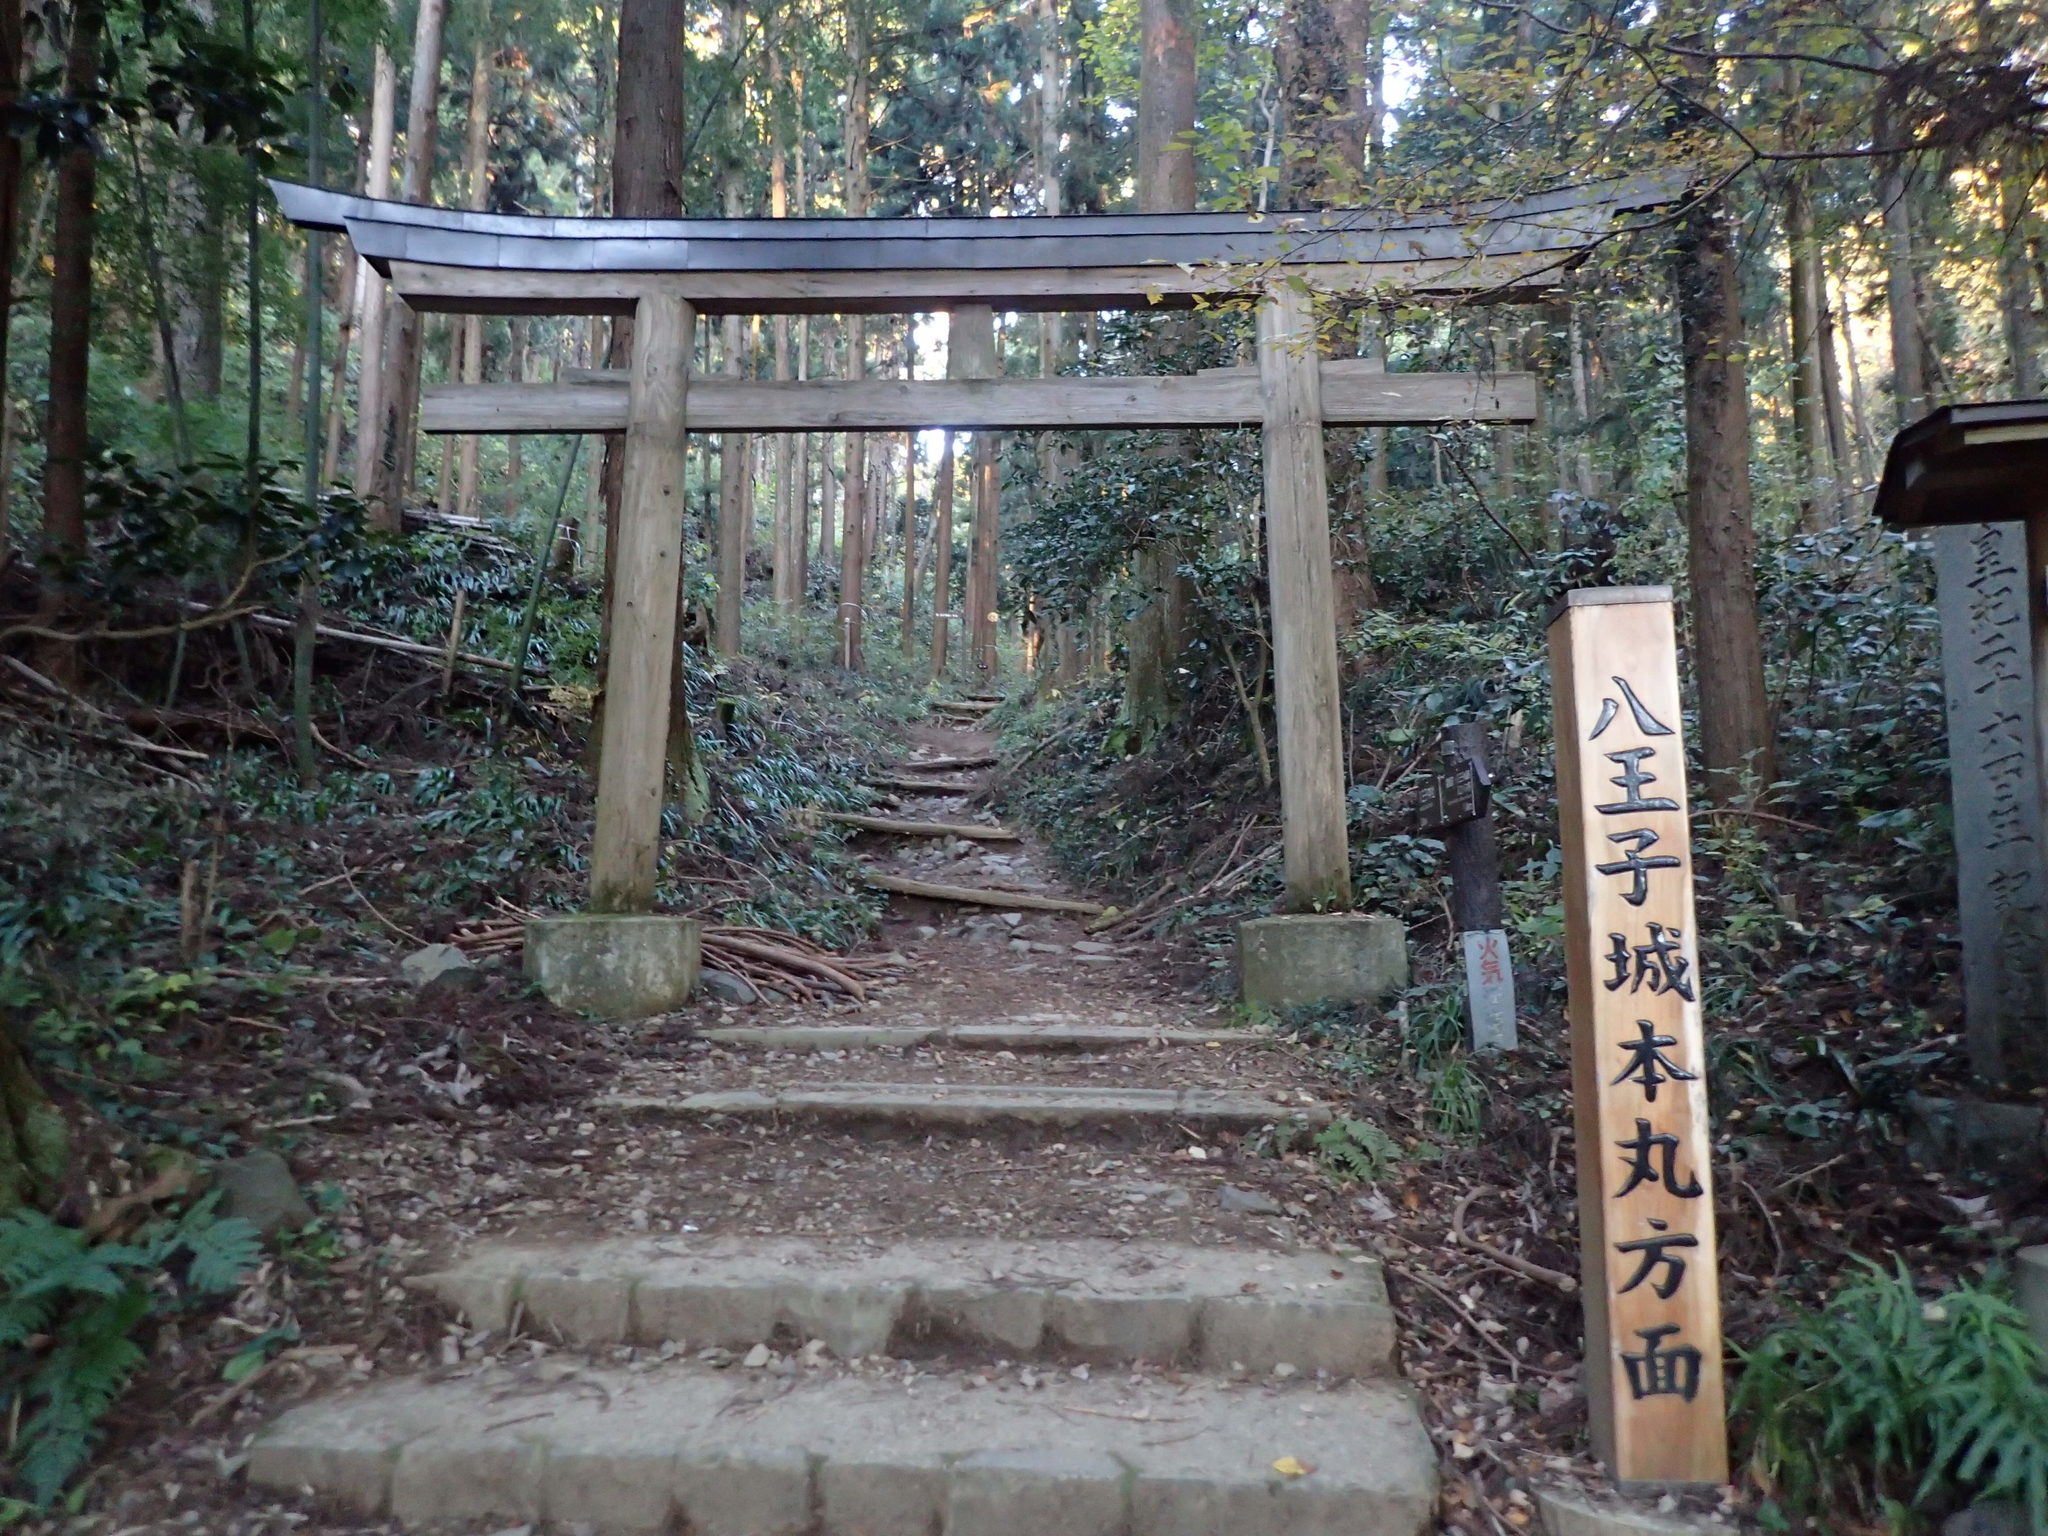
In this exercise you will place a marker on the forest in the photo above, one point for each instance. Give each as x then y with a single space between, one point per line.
300 705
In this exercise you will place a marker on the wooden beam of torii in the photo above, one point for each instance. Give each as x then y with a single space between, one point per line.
663 272
1356 393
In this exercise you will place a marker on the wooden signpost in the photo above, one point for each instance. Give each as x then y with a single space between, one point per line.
1646 1208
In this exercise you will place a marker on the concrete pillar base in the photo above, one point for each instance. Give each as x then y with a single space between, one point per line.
2032 1275
618 966
1314 957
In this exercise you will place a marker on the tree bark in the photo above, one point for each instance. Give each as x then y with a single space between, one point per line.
1806 305
2023 328
647 182
400 396
1902 289
854 519
1735 723
66 432
375 319
1166 106
10 214
735 496
785 538
1322 56
476 178
942 559
1166 184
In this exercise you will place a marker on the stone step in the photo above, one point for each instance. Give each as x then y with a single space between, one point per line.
837 1452
1072 1299
955 1105
1014 1036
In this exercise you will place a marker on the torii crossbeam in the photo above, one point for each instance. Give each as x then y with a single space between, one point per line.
663 272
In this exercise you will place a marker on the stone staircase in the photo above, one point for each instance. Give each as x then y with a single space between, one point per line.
867 1383
789 1388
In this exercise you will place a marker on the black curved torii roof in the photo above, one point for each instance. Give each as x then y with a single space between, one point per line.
448 259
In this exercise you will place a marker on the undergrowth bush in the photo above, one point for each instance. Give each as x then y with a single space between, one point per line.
70 1309
1892 1408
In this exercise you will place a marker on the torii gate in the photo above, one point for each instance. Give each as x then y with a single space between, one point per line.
662 273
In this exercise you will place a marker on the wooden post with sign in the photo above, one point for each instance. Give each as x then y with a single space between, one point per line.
1646 1209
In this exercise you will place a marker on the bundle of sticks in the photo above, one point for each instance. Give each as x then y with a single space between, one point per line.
762 957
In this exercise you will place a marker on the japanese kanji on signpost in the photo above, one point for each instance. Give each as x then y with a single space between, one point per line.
1646 1210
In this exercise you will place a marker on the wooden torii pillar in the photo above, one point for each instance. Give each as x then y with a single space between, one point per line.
662 272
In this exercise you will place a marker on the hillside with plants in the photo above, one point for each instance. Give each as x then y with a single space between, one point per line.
299 705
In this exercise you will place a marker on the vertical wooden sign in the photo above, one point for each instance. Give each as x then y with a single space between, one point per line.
1646 1207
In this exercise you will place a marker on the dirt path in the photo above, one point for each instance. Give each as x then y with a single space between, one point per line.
564 1171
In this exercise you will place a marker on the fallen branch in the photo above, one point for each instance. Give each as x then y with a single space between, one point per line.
974 896
789 959
924 828
1562 1283
279 626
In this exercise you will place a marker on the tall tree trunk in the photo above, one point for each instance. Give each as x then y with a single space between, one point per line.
375 320
10 221
785 538
476 178
942 558
66 433
1322 55
515 370
853 550
1806 305
2023 327
647 183
1902 288
1166 106
972 354
1735 723
1166 184
735 500
400 396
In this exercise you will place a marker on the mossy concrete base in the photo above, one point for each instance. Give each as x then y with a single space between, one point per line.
617 966
1314 957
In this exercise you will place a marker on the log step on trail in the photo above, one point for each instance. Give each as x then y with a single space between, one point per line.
946 764
920 786
975 896
967 706
1019 1037
960 829
917 1107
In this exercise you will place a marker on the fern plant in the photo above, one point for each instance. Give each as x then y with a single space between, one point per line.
1356 1151
1894 1408
69 1311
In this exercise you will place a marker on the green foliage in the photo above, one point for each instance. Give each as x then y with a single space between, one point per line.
1356 1151
70 1308
1888 1407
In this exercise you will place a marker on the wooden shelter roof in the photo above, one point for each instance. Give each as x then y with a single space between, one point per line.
513 263
1985 463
